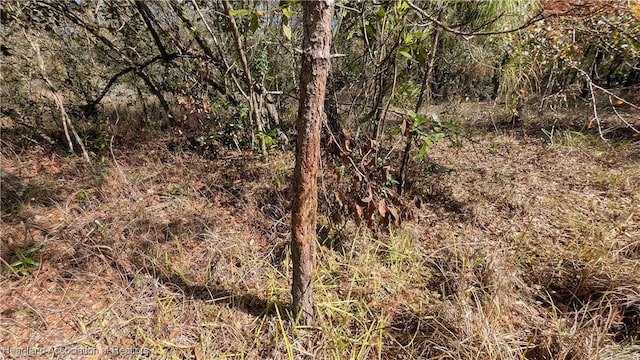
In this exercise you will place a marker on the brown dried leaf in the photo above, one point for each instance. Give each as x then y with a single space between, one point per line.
174 334
198 353
382 207
369 197
206 104
394 212
346 145
339 198
371 210
384 222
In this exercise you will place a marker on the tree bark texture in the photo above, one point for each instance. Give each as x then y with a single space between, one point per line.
316 61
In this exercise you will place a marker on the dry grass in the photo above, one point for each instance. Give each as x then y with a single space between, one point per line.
523 248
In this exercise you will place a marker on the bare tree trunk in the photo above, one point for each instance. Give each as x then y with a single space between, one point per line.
316 61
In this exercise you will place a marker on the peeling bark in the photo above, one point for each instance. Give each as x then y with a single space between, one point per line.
313 80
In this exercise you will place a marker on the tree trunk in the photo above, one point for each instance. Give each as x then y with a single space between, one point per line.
313 80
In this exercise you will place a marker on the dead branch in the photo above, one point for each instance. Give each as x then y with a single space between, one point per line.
593 86
61 9
621 118
539 16
146 15
66 121
135 67
595 107
255 115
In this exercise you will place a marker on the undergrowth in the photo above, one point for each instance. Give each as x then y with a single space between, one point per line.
518 247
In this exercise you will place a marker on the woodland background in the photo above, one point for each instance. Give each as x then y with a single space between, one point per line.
479 188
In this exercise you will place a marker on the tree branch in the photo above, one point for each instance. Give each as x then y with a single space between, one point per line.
203 44
135 67
145 13
59 7
536 18
66 121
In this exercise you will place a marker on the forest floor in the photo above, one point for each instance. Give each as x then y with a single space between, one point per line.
526 245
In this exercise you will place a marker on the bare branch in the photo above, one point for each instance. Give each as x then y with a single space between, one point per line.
254 101
201 42
616 96
468 35
66 121
621 118
59 7
595 108
145 13
592 86
136 67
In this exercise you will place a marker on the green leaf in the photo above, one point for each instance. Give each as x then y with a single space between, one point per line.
401 6
30 261
287 12
255 23
423 149
371 32
286 29
240 12
81 195
429 141
16 263
452 127
30 250
421 54
407 38
405 54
